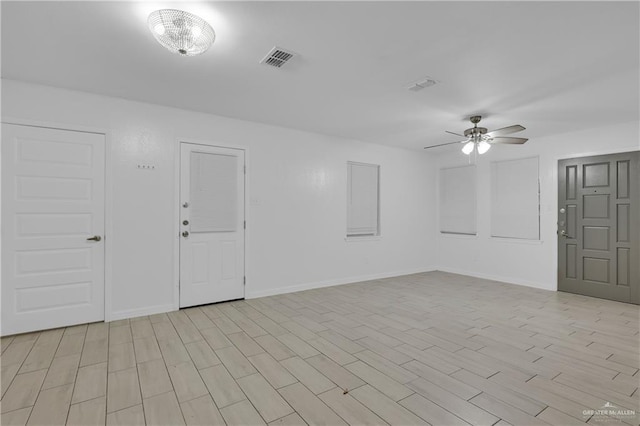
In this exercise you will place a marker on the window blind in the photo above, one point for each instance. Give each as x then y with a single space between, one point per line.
458 200
363 202
515 199
213 192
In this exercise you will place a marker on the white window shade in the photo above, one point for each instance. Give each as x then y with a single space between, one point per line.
213 192
363 202
515 199
458 200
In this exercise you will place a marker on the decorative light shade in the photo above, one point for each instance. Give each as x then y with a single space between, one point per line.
483 147
468 147
181 32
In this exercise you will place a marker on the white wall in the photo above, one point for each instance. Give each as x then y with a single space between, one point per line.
516 261
297 193
296 187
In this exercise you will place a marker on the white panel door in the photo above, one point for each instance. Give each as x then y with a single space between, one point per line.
52 204
211 224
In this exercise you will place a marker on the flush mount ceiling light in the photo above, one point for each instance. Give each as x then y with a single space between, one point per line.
181 32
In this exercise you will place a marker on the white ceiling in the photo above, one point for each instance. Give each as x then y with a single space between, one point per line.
551 66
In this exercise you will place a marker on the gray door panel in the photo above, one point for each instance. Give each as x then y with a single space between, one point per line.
598 226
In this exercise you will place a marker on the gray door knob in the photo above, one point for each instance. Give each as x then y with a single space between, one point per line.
185 234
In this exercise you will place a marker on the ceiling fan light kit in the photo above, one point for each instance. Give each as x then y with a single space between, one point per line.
181 32
468 147
482 147
479 139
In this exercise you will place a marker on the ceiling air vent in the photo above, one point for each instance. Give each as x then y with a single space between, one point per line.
277 57
423 83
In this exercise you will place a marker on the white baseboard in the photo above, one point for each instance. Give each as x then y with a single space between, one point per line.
506 280
329 283
150 310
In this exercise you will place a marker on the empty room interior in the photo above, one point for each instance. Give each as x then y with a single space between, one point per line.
320 213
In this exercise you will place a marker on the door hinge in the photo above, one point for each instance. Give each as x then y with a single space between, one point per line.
245 224
244 280
245 169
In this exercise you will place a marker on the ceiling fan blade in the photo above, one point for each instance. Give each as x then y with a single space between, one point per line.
505 131
443 144
508 140
453 133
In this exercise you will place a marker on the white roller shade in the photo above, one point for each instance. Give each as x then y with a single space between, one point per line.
458 200
213 193
515 211
362 203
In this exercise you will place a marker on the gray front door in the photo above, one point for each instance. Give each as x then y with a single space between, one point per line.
598 226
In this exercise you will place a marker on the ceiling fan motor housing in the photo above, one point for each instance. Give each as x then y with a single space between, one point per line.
475 131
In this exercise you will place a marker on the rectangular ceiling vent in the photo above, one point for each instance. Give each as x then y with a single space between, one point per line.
277 57
423 83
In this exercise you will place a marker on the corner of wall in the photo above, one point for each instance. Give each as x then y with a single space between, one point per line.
335 282
134 313
500 278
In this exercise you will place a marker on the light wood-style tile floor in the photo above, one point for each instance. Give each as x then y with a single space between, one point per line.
431 348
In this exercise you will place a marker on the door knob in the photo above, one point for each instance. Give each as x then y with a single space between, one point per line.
95 238
564 234
185 234
185 222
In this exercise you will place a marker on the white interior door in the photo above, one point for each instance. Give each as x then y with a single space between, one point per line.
211 224
52 205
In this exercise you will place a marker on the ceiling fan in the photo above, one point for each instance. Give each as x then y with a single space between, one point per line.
480 140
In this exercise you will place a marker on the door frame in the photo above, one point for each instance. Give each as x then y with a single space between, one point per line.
554 201
176 209
108 193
